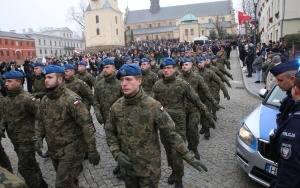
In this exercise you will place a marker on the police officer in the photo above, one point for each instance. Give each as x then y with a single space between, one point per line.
149 77
84 75
66 124
19 115
132 132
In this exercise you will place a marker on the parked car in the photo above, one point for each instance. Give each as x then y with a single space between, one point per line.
252 140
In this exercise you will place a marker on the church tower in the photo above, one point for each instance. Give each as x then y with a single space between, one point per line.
104 26
154 8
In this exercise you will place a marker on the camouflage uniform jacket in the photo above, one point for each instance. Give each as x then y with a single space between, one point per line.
87 78
221 67
19 115
154 69
132 128
82 89
212 80
39 88
66 123
199 85
149 79
107 91
99 77
172 93
218 73
9 180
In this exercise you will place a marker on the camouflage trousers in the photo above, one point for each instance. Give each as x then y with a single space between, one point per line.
27 165
67 172
173 157
216 94
9 180
192 131
141 182
203 120
4 160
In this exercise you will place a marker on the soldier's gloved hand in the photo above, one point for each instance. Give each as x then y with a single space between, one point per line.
220 107
38 144
227 96
94 157
123 160
231 77
189 157
211 121
228 84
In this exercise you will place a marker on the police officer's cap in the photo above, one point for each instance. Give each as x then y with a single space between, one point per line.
38 64
128 70
13 75
82 63
53 69
284 67
167 61
69 66
107 61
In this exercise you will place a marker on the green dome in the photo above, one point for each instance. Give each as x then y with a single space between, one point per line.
188 18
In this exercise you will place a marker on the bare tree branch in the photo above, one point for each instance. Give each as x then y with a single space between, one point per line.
77 14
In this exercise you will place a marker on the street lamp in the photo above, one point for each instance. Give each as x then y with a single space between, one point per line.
255 2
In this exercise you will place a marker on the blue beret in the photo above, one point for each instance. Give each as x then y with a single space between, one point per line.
182 60
107 61
201 58
82 63
152 59
13 75
145 60
214 57
38 64
136 59
284 67
167 61
69 66
188 60
208 57
127 58
53 69
128 70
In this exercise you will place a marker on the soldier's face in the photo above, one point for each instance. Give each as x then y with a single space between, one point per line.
108 70
81 68
37 70
207 62
52 80
152 63
145 66
186 67
201 64
169 70
69 73
12 84
130 85
214 60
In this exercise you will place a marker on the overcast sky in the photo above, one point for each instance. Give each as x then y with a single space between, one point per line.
36 14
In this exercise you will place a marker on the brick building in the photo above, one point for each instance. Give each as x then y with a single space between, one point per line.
16 47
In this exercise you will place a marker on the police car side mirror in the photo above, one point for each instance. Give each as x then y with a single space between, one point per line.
263 93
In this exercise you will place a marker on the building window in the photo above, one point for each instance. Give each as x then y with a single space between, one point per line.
139 26
97 19
156 36
59 43
64 35
116 18
41 51
117 31
170 23
192 31
14 53
169 35
7 53
45 51
12 42
6 42
28 54
98 31
50 43
44 42
158 25
27 43
33 54
21 43
39 41
128 27
32 44
210 20
186 32
147 37
51 52
0 41
65 43
60 52
150 25
223 19
1 53
55 43
202 32
77 45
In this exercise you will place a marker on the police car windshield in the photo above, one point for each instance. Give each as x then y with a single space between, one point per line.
275 97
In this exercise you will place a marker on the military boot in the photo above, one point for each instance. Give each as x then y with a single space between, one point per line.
120 175
171 178
116 170
178 184
197 155
215 117
43 184
201 130
206 133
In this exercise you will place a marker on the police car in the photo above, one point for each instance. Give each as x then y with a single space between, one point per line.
252 141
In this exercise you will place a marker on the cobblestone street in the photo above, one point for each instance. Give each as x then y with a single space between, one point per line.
217 153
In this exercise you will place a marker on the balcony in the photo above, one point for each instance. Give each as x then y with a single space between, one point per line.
69 48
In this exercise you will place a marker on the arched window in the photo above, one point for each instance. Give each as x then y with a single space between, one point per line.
97 19
98 31
116 18
117 31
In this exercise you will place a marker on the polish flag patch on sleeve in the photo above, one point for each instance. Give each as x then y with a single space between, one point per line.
76 103
162 109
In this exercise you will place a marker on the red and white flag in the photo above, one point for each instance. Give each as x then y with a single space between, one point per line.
243 17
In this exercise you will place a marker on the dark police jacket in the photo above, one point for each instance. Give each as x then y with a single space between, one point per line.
288 174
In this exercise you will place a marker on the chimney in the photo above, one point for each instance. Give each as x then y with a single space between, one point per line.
30 30
12 31
24 30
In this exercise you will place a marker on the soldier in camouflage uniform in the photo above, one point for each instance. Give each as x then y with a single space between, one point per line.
9 180
66 124
192 114
214 83
84 75
149 77
39 89
135 144
218 62
4 160
224 58
154 67
19 116
78 86
172 92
